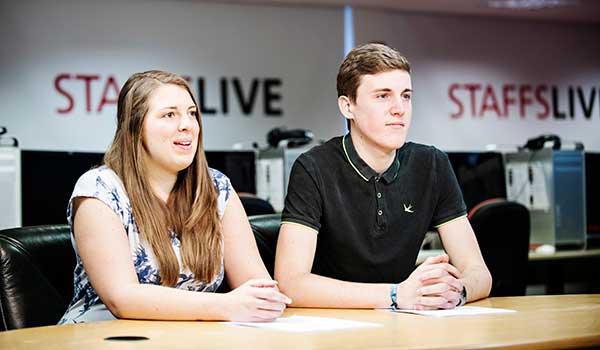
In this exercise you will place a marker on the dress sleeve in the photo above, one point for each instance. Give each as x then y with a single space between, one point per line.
450 204
224 189
104 185
303 202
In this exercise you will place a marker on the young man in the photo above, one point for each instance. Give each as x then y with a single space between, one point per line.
358 206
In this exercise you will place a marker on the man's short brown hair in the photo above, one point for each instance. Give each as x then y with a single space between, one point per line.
367 59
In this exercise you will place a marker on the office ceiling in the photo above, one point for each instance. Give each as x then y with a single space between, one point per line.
546 10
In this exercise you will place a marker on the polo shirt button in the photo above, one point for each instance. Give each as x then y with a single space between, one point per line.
378 194
379 212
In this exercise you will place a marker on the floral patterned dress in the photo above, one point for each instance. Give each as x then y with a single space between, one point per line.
103 184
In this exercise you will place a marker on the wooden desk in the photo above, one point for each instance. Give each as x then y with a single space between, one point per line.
542 322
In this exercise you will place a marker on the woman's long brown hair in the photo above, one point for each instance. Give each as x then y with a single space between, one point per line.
191 210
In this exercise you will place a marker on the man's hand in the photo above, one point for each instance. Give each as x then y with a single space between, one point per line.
435 284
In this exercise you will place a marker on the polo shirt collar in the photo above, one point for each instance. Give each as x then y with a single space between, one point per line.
364 170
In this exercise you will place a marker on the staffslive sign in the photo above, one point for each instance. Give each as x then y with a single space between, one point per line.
230 90
485 100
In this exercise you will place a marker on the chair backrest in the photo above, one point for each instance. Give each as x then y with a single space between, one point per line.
502 230
256 206
36 275
266 232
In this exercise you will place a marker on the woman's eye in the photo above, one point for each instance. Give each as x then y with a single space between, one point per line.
170 115
194 114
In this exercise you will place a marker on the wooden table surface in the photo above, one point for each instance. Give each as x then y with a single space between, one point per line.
542 322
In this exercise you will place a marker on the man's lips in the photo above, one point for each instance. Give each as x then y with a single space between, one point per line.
397 124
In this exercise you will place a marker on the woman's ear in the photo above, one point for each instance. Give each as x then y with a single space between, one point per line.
345 106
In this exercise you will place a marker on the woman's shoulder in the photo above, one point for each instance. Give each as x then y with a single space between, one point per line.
219 178
104 184
98 178
221 182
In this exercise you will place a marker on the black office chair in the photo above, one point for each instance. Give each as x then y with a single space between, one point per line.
502 230
256 206
266 232
36 275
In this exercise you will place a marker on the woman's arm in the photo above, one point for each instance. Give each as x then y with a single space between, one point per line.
242 260
105 253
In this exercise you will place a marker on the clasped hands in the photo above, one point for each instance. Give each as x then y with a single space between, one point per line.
435 284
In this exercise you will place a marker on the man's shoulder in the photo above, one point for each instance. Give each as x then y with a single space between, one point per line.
419 150
324 153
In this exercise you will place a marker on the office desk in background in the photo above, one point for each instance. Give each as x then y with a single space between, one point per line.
542 322
556 269
533 256
563 267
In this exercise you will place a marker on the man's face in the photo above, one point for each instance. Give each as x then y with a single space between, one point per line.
382 110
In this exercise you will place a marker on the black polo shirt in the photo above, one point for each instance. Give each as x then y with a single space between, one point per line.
370 226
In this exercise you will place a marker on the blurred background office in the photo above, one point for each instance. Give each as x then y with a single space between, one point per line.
488 76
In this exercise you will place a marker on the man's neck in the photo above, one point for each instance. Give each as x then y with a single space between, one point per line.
375 157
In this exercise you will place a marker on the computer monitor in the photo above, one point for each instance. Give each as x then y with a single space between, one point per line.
592 194
239 166
480 175
47 181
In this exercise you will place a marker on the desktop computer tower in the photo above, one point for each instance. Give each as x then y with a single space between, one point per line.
10 187
273 169
551 184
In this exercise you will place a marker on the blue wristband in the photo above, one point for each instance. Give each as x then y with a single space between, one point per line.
393 296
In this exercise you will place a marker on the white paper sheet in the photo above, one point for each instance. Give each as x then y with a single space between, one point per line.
307 324
459 311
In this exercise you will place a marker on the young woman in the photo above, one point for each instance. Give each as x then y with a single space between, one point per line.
154 226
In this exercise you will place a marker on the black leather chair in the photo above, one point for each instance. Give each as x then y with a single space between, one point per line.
37 263
266 232
502 230
36 275
256 206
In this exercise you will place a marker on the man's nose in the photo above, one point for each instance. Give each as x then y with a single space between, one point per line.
397 108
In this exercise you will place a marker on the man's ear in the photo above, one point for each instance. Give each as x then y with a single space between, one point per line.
345 106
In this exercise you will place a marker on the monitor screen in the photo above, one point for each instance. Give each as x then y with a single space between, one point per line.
480 175
47 181
592 192
239 166
48 178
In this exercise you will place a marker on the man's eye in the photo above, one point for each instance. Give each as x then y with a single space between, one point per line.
407 97
382 96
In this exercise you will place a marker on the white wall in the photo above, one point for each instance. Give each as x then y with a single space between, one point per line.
300 46
464 50
41 40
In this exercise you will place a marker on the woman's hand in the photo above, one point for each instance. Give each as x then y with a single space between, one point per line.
257 300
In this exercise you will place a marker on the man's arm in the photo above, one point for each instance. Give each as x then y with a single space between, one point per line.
461 245
293 263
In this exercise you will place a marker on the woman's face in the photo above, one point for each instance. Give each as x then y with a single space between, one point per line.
170 130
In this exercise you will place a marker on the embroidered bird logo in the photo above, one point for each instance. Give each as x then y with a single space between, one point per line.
408 209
